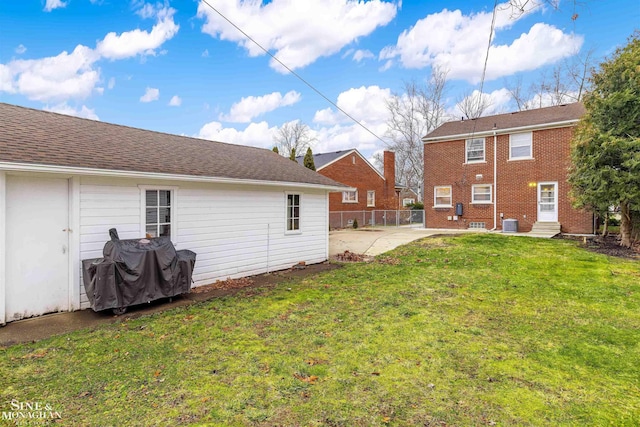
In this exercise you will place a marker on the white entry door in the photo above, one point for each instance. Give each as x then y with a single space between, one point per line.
37 253
548 201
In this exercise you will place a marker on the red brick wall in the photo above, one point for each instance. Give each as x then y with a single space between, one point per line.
354 171
516 186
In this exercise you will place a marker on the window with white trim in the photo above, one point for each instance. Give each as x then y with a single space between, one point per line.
293 212
371 198
406 202
350 196
442 196
520 146
158 212
474 150
481 193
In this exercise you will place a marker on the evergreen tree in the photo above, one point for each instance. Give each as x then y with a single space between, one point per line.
292 154
275 150
308 160
606 152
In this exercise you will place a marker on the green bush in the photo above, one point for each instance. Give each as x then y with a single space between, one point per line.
417 206
355 223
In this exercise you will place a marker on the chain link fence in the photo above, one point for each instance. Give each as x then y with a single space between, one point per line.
377 218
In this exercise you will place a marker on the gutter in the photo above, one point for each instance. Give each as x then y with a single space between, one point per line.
565 123
72 170
495 179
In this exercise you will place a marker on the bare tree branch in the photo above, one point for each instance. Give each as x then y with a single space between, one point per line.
412 115
293 136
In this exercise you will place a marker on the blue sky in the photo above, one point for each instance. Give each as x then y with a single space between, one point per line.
178 67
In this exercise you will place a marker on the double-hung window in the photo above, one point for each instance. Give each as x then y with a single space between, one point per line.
442 196
371 198
520 146
407 201
158 212
293 212
474 150
350 196
481 193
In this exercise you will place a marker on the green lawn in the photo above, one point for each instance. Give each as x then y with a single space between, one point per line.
468 330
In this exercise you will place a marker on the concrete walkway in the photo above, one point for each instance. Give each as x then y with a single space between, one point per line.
374 241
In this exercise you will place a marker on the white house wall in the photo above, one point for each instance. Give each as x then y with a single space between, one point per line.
235 230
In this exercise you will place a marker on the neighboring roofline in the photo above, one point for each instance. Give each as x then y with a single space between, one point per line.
346 154
553 125
72 170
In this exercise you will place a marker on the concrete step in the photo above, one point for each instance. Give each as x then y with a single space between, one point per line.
546 227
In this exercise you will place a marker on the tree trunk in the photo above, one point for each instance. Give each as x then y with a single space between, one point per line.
605 225
625 224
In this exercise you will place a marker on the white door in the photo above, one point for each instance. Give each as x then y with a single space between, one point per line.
548 201
37 253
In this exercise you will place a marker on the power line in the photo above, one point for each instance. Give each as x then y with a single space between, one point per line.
293 72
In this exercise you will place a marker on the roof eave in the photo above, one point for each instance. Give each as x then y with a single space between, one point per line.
541 126
72 170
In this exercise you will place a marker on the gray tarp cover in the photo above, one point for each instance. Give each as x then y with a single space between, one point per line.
137 271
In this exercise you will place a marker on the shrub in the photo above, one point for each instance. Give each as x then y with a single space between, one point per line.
355 223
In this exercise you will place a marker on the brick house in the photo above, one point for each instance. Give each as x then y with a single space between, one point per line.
373 190
468 183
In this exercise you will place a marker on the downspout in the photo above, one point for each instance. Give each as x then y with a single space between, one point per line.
495 179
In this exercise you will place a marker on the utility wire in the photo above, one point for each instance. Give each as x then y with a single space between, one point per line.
293 72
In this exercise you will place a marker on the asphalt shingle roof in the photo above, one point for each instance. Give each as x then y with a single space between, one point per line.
540 116
321 159
44 138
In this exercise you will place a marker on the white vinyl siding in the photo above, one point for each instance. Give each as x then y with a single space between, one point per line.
481 193
442 196
474 150
520 146
228 241
350 196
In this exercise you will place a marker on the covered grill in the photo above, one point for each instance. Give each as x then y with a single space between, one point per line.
136 271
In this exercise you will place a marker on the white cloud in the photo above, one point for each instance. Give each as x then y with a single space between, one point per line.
254 135
83 111
151 94
299 32
363 103
360 54
112 83
53 4
458 43
252 106
175 101
139 42
21 49
56 78
75 75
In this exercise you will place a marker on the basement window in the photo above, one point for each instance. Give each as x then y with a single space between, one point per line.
478 225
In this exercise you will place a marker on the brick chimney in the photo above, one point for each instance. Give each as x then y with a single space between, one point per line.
389 162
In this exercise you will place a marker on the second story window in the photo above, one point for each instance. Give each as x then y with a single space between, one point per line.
474 150
520 146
